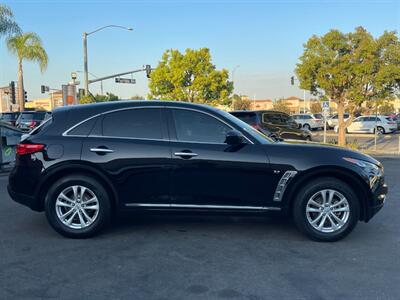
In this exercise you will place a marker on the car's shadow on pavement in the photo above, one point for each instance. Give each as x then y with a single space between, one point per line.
258 226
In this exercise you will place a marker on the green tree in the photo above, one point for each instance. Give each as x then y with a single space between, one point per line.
281 106
350 69
316 108
98 98
26 46
386 108
8 25
239 103
189 77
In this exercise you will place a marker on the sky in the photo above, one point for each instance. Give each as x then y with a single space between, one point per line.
260 40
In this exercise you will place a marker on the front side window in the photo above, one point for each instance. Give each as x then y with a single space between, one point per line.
193 126
142 123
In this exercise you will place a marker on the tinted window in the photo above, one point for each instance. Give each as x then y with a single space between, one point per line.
195 126
26 116
318 116
249 118
134 123
272 118
84 128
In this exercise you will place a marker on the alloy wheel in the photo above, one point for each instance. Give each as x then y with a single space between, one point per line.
327 211
77 207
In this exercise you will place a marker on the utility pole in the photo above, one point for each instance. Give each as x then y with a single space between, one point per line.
85 53
85 65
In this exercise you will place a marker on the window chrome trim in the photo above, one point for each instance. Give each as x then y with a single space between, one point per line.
65 133
282 185
162 205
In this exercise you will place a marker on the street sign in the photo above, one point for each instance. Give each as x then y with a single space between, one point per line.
325 105
125 80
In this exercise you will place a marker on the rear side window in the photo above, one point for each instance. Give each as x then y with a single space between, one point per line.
83 129
143 123
249 118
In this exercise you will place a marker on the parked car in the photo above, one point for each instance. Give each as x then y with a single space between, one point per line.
88 162
396 118
367 124
29 120
9 117
334 120
308 121
274 124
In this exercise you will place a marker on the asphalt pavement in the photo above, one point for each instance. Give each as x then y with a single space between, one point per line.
199 257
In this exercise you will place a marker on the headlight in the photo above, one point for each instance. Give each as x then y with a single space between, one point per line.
373 171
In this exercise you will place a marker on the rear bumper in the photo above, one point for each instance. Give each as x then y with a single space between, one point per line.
26 200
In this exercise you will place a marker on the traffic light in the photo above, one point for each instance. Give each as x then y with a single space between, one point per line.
148 71
43 89
12 91
25 96
292 80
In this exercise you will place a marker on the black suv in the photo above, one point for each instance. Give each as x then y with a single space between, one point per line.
29 120
275 124
88 162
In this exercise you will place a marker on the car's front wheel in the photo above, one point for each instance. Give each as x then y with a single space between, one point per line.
77 206
326 209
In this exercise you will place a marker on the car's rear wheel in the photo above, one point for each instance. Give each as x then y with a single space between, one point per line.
77 206
326 209
307 126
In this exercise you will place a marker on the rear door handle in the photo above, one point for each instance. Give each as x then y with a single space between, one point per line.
101 150
185 154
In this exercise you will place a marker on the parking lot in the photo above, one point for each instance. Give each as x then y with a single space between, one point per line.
199 257
386 143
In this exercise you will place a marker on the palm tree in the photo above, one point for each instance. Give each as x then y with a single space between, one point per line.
26 46
7 24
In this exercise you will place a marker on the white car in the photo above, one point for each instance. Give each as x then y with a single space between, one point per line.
366 124
334 120
308 121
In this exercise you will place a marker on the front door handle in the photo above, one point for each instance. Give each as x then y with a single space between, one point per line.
101 150
185 154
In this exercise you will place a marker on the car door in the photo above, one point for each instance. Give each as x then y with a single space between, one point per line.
357 125
131 147
207 171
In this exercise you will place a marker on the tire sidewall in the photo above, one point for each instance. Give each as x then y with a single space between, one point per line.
300 215
103 216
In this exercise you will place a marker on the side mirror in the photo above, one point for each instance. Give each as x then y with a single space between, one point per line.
234 137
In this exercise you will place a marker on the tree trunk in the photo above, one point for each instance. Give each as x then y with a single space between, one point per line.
21 93
341 124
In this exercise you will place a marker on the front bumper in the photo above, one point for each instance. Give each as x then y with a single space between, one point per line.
378 200
26 200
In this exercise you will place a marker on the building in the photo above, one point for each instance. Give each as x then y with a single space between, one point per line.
55 100
261 104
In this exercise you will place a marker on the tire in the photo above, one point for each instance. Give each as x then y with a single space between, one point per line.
93 196
380 129
307 126
313 191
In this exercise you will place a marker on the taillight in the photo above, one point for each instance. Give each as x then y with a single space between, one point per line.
23 149
392 123
32 125
256 126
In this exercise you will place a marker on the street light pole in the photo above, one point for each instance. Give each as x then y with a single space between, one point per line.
85 65
85 53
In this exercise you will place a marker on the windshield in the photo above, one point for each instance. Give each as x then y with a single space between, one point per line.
249 129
